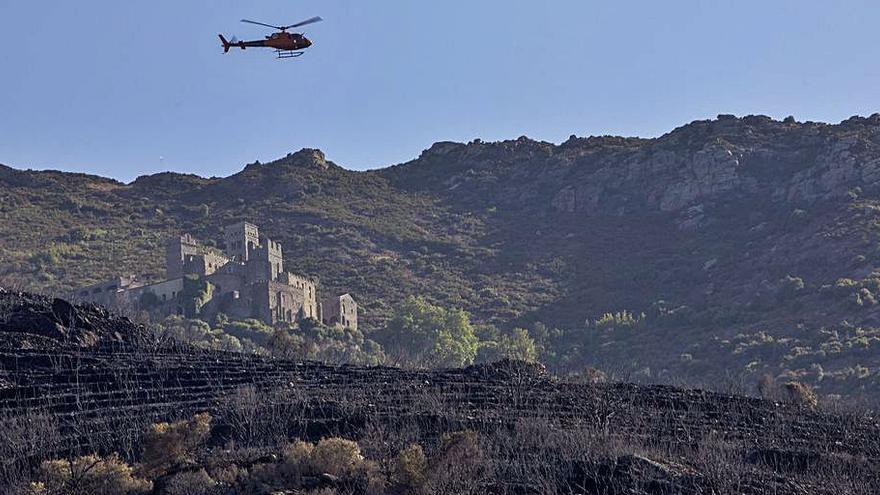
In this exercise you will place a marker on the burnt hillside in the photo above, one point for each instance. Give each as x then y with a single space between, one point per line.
67 395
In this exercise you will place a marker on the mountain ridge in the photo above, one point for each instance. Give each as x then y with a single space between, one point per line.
588 140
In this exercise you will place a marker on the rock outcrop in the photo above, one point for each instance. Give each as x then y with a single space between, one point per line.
751 156
37 322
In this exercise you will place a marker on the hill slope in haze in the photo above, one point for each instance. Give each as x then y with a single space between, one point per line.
739 246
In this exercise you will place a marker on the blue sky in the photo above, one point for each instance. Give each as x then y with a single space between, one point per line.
123 89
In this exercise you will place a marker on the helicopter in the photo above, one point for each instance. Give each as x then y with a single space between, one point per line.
286 45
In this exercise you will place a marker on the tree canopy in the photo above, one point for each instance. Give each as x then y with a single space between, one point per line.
423 334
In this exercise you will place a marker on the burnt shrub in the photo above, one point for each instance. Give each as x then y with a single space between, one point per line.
168 445
410 469
801 394
89 474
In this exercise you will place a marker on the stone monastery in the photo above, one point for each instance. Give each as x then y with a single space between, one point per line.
247 280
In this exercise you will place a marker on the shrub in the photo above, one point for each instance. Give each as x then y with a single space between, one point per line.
867 297
411 468
22 436
296 460
590 375
171 444
790 286
461 446
287 345
801 394
517 345
845 286
458 463
620 319
90 474
194 482
250 329
337 457
44 259
195 294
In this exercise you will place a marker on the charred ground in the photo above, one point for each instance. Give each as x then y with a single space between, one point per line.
84 381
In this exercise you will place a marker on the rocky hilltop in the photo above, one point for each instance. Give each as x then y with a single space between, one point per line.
737 246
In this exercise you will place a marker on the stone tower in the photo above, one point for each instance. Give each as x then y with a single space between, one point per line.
177 250
242 239
275 258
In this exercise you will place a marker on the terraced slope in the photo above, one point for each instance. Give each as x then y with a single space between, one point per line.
103 395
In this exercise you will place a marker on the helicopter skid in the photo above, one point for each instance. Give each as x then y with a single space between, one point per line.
288 54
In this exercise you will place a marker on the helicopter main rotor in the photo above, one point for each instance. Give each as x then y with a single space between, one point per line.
285 28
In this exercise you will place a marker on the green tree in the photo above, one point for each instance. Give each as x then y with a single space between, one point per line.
251 329
195 294
424 334
518 345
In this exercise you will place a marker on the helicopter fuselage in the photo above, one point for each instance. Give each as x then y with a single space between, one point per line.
278 41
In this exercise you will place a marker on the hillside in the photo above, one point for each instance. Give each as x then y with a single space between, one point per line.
748 244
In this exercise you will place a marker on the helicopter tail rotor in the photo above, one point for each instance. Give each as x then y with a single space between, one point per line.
226 44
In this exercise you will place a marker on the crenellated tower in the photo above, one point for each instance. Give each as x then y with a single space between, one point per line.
242 239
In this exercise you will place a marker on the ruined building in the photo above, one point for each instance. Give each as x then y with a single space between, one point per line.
247 280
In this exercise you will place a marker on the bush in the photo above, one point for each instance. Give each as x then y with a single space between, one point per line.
867 298
591 376
790 286
411 467
250 329
297 460
200 334
336 456
90 474
195 294
620 319
171 444
458 463
517 345
845 286
461 447
287 345
801 394
44 259
194 482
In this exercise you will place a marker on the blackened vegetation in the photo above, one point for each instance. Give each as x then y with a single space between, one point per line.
63 395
